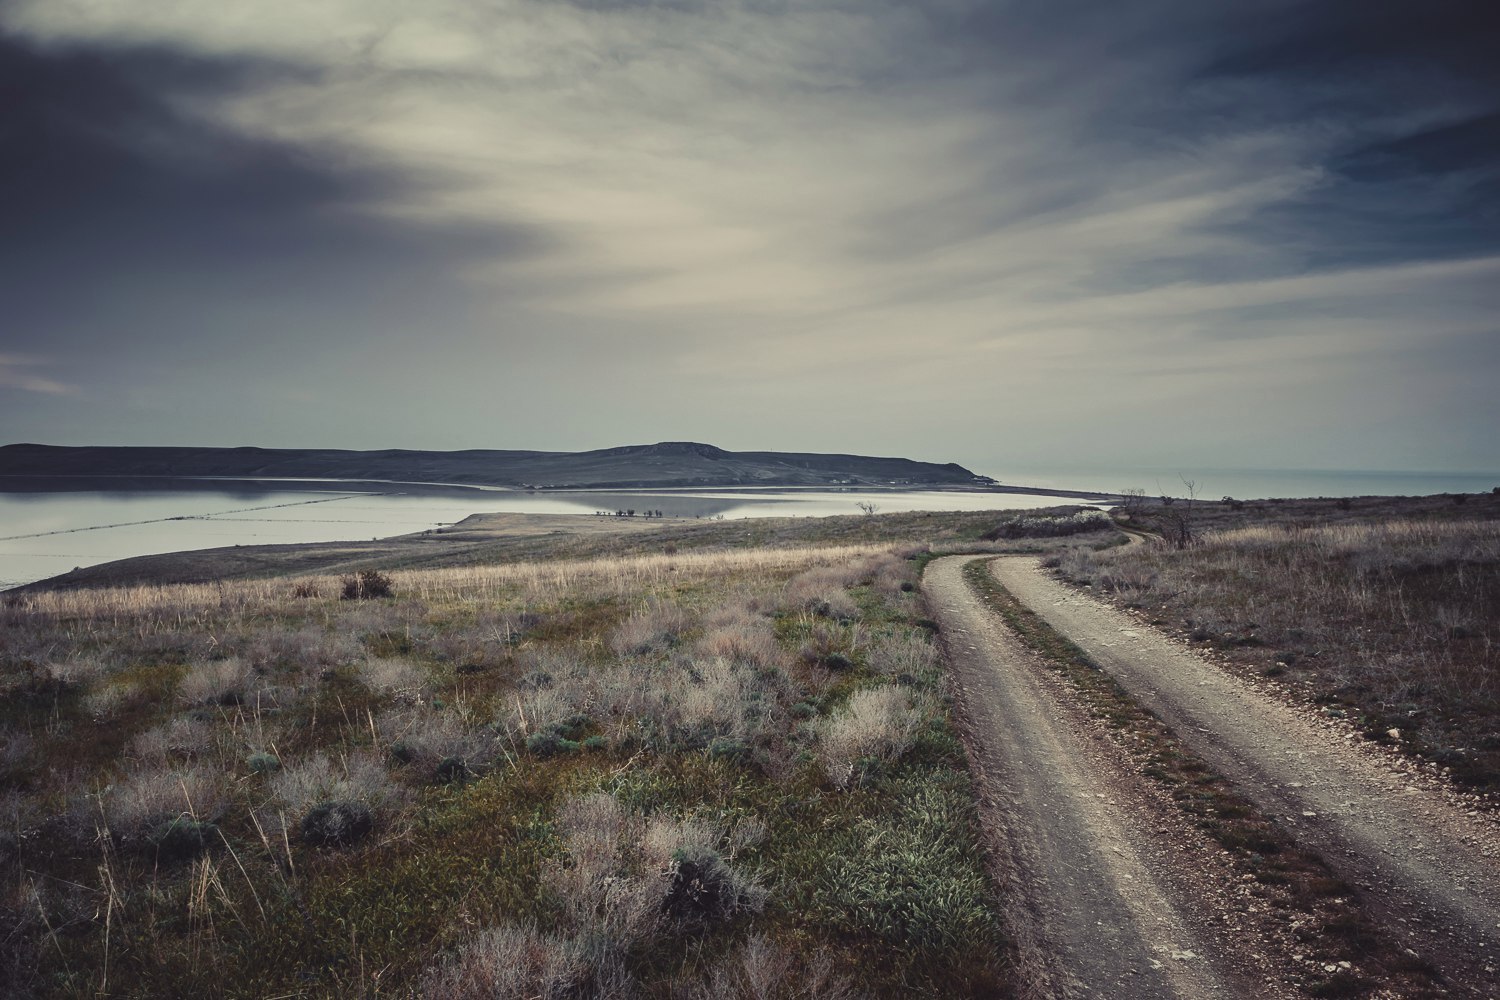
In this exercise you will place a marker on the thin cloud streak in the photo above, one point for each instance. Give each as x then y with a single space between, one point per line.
15 373
949 201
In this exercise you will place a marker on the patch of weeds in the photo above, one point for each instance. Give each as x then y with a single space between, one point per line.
181 838
549 743
705 891
337 824
263 763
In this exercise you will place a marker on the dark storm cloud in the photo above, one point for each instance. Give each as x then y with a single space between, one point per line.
684 219
1414 90
112 187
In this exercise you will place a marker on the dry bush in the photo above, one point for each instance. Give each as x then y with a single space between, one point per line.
152 795
821 592
742 639
764 970
1050 525
703 888
878 724
481 643
893 578
357 777
216 682
831 645
912 655
511 963
534 710
401 680
110 699
307 648
180 738
652 630
713 698
603 891
74 674
442 743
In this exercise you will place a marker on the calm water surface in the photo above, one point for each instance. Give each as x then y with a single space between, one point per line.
45 531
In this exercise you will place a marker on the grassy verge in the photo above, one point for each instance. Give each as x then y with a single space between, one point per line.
1386 614
719 771
1321 912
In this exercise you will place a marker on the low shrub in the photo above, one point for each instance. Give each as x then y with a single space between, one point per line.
704 890
366 584
1053 526
549 743
878 724
337 824
181 838
263 763
216 682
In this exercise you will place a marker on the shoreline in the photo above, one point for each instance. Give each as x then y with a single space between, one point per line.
157 484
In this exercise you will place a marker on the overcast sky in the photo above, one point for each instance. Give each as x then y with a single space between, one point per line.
1000 233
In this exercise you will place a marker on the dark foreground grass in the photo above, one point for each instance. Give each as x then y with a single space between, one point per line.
681 778
1321 911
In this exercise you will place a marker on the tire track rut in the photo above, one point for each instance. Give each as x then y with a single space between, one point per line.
1093 892
1426 869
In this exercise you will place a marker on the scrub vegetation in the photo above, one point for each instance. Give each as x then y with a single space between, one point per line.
1382 612
698 771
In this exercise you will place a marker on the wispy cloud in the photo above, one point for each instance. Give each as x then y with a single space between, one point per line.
985 194
17 372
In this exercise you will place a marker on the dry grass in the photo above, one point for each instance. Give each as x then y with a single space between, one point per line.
1395 621
877 727
553 778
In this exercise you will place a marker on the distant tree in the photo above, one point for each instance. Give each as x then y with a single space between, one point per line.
1133 498
1177 522
867 507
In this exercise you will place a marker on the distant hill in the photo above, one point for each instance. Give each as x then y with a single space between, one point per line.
670 463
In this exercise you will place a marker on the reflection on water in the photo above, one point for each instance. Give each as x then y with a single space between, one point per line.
46 531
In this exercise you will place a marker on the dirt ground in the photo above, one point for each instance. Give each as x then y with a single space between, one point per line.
1112 892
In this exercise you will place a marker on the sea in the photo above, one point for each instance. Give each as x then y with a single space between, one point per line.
53 525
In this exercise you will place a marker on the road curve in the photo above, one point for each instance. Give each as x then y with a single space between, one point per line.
1085 873
1430 871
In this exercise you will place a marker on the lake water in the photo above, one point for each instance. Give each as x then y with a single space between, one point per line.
1253 484
46 529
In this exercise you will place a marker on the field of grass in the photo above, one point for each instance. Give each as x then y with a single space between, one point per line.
673 770
1385 612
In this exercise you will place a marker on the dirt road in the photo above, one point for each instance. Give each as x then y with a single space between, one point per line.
1088 882
1106 886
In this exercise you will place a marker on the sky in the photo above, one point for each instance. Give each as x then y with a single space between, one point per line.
1005 233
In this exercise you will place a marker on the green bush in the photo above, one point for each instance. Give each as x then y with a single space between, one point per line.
549 743
705 890
337 824
367 583
181 838
263 763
